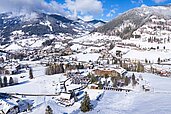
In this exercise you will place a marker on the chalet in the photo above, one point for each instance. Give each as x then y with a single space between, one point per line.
66 99
8 107
112 72
65 96
14 106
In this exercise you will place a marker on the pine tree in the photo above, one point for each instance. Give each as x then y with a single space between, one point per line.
138 67
11 81
5 81
133 80
158 60
115 81
126 81
133 76
1 84
106 76
49 110
89 75
62 68
85 104
100 86
164 47
93 79
146 61
30 73
157 47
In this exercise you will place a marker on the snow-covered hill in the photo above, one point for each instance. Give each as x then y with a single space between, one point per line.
14 26
144 20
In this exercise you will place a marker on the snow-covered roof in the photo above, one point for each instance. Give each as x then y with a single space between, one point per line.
7 104
65 96
119 70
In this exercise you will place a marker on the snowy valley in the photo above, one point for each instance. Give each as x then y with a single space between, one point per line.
57 69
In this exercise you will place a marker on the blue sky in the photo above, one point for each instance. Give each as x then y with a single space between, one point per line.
85 9
111 8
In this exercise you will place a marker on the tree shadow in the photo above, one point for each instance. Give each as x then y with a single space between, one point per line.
24 82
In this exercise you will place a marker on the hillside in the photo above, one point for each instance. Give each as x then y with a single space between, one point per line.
139 21
13 26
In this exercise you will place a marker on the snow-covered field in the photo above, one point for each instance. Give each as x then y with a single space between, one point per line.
85 57
156 101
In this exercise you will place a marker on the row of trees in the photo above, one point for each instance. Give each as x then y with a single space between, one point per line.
54 69
136 67
158 60
92 78
4 82
117 81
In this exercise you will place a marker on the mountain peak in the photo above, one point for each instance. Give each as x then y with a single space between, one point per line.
127 23
40 24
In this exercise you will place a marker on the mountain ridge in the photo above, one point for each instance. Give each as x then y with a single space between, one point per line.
40 25
127 23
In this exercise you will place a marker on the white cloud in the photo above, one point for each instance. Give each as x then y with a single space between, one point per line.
137 1
84 7
87 18
110 14
159 1
71 8
31 5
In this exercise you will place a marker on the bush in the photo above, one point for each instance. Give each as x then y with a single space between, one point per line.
85 104
134 82
126 81
5 81
49 110
100 85
1 84
30 73
11 81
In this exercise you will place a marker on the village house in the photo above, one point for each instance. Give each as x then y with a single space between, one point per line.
162 70
8 107
13 105
66 99
111 71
